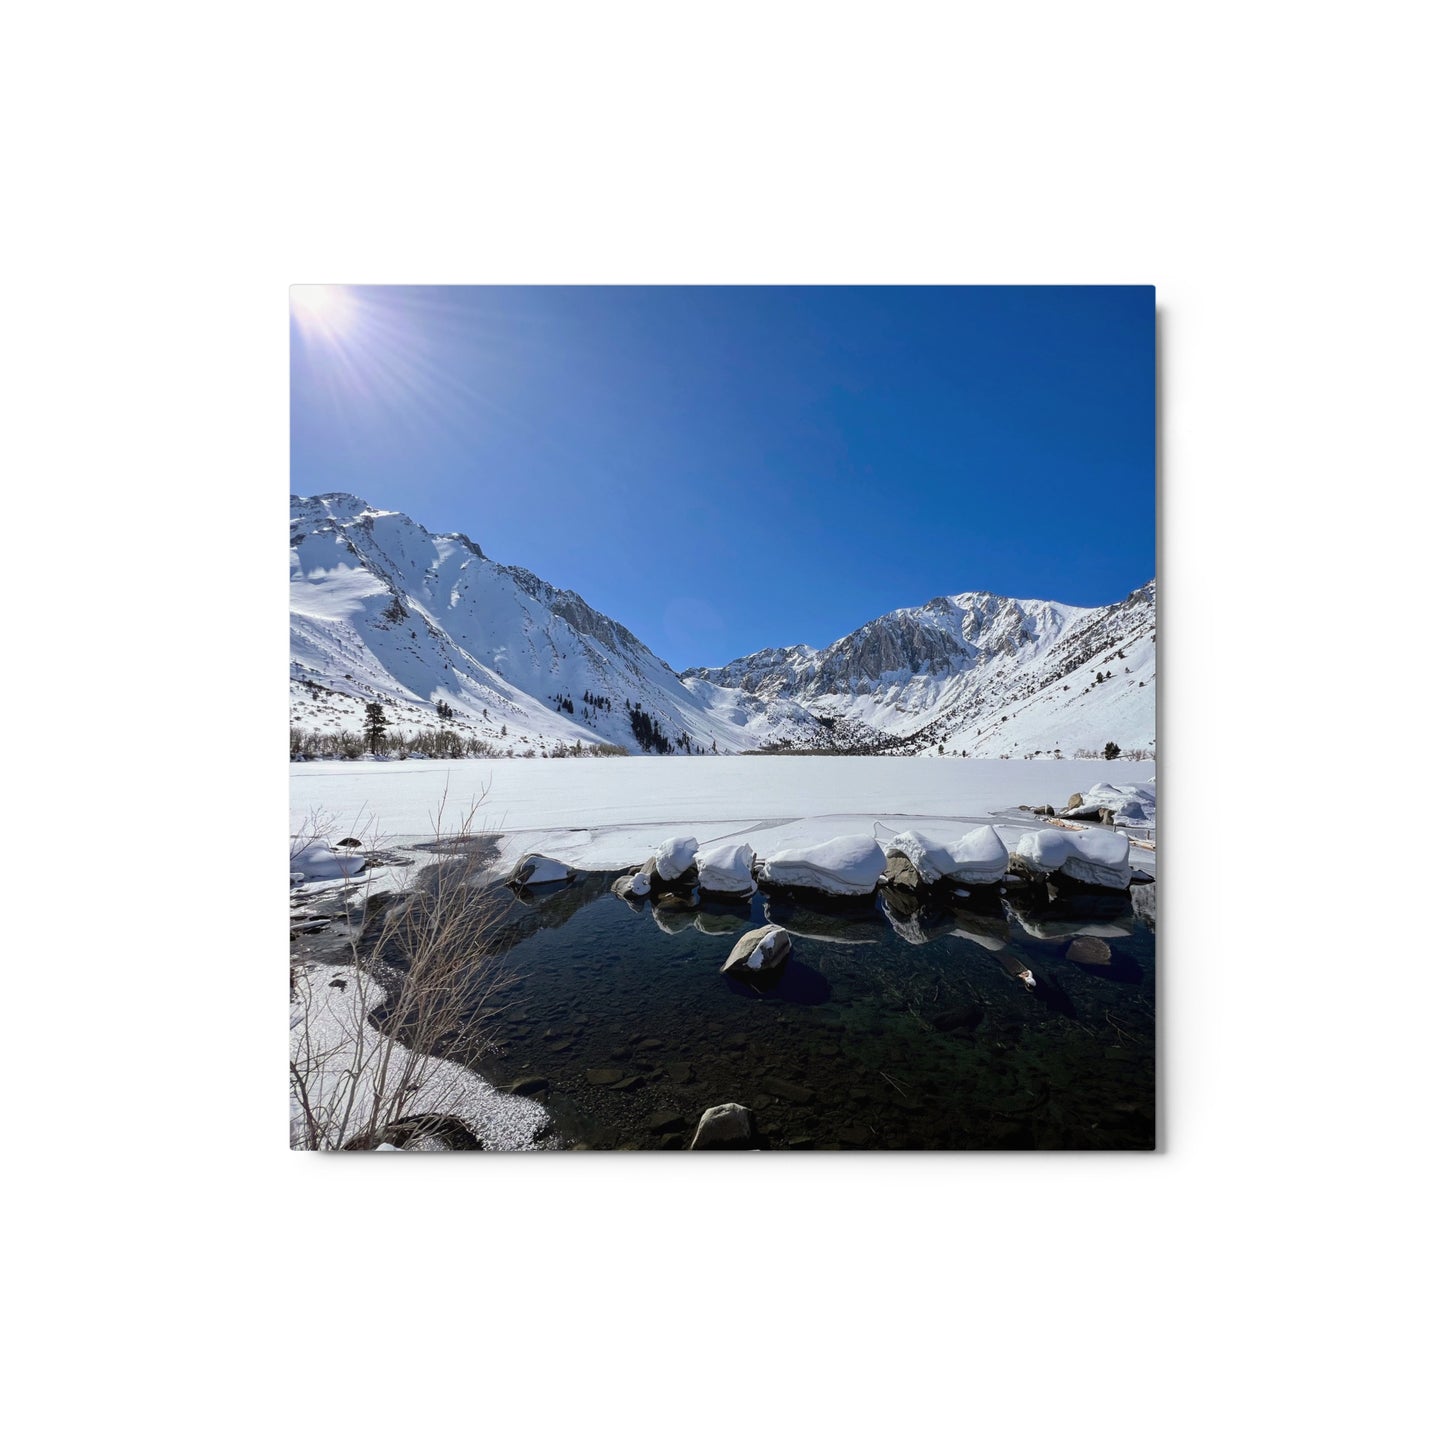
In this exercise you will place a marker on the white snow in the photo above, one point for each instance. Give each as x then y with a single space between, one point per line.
1092 855
546 870
726 868
346 1063
1131 803
318 860
638 886
978 857
674 857
847 864
608 813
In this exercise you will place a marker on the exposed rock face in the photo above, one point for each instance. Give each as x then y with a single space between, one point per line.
725 1126
1087 949
900 873
759 951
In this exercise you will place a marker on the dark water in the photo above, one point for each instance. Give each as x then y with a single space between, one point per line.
869 1041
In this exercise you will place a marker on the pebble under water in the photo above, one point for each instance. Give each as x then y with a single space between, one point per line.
889 1028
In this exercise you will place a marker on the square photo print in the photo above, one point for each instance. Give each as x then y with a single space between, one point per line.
722 718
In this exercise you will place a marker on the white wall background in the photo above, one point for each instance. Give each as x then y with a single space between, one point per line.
1273 1273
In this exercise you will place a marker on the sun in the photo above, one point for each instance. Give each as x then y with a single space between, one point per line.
322 310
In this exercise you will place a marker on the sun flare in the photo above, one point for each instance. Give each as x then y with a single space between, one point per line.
322 309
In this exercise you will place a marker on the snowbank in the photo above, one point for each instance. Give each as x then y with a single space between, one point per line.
1093 855
847 865
344 1061
726 868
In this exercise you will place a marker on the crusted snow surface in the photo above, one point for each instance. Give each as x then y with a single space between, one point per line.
850 864
675 856
978 857
1092 855
345 1063
726 868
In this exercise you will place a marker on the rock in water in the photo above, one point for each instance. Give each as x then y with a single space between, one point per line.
632 887
676 861
760 950
1088 949
535 868
850 865
725 1126
726 868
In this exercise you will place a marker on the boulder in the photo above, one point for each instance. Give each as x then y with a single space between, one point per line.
1015 967
759 951
349 843
533 869
726 868
725 1126
1088 949
632 887
898 872
1076 800
675 861
1091 856
847 866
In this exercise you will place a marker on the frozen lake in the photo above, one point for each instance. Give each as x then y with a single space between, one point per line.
608 812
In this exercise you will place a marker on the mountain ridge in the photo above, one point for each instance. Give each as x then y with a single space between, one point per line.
383 610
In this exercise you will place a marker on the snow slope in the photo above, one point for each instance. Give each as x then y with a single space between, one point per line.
383 610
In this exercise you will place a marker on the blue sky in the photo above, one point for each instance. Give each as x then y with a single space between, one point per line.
728 468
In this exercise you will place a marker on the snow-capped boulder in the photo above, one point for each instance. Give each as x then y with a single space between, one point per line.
319 860
674 861
1123 803
726 868
632 887
850 865
725 1126
533 869
759 951
1090 855
915 859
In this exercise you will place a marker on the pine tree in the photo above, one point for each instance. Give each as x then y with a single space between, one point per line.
1111 751
374 728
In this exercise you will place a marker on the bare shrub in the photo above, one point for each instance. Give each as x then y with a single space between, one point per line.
385 1035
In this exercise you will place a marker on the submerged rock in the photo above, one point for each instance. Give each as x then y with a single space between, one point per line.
725 1126
759 951
1088 949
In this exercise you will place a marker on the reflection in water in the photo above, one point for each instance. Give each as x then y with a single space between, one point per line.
852 922
929 1037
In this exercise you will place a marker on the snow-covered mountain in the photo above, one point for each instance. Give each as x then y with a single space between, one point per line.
977 673
382 610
